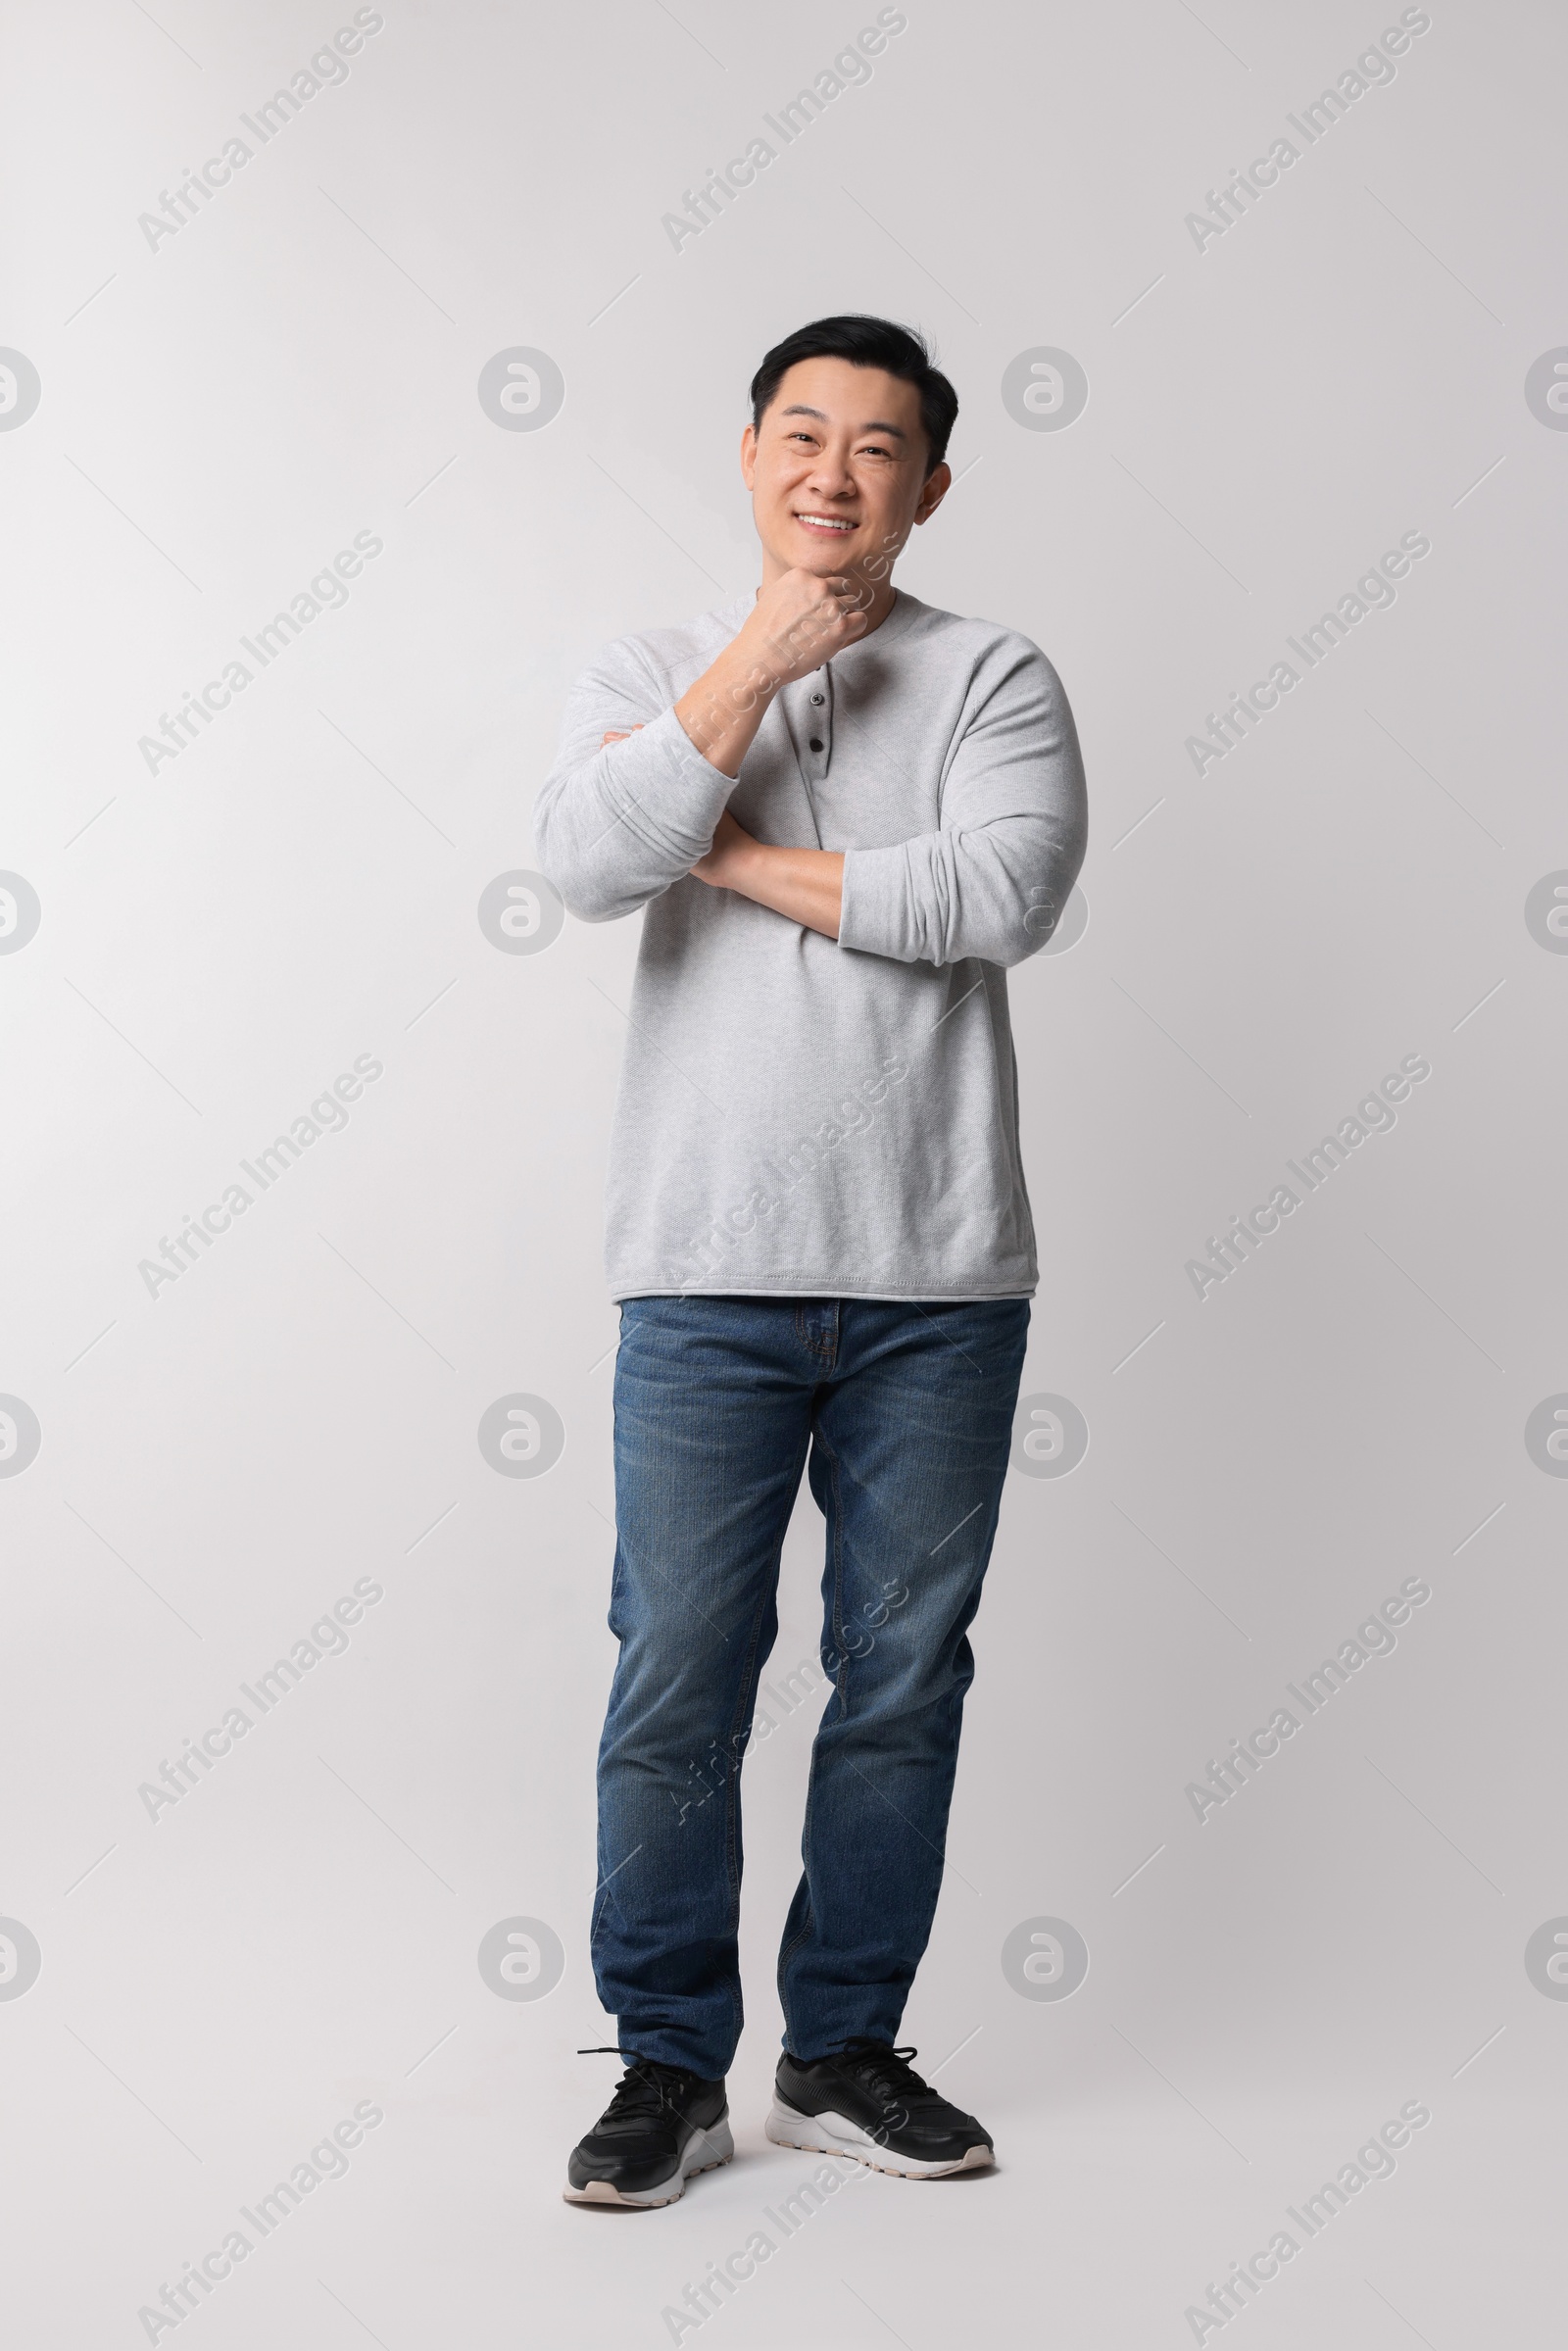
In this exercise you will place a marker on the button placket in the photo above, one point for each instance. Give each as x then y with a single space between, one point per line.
821 722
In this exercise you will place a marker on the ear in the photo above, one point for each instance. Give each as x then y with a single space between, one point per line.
938 483
749 455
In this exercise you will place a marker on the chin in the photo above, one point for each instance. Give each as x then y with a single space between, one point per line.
824 554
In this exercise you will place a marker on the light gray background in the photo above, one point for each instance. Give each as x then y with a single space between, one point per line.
300 362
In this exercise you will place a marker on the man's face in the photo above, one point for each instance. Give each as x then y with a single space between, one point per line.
839 471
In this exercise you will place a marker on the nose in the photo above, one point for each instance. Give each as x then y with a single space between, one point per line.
830 475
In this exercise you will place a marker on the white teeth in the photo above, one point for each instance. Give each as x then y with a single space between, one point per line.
822 522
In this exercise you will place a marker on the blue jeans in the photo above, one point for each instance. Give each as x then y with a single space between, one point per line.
904 1414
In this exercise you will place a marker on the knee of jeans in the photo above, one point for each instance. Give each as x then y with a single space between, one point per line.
667 1705
677 1662
893 1683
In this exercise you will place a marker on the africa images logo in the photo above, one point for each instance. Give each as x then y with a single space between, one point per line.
521 388
521 1436
521 1959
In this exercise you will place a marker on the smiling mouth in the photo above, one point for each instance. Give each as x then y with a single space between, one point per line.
829 525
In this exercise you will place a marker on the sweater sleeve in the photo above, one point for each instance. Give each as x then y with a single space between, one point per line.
992 881
615 824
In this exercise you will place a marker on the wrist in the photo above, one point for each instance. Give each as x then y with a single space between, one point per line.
737 688
747 678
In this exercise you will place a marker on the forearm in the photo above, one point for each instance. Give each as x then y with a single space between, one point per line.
723 711
795 627
994 891
806 885
725 708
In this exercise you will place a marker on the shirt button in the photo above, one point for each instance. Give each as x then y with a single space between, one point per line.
820 698
817 742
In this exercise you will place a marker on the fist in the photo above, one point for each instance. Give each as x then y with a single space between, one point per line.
800 621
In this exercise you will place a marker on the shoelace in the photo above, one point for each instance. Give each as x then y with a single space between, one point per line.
640 2090
887 2072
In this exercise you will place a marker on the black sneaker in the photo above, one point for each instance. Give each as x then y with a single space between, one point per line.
869 2103
662 2125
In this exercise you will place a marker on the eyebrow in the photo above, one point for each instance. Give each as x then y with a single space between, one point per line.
800 409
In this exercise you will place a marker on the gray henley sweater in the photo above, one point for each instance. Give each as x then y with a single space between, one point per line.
799 1116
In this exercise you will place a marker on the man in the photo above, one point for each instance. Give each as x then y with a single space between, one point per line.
846 814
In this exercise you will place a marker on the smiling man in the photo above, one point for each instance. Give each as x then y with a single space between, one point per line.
846 814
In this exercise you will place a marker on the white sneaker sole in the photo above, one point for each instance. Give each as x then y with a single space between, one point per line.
705 2151
832 2134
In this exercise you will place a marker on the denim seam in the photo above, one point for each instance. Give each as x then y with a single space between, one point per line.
826 1355
746 1702
836 1541
835 1538
750 1674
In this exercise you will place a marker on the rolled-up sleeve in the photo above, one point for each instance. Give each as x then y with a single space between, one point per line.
992 881
617 823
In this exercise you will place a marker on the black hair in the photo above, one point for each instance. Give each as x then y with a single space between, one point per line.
866 343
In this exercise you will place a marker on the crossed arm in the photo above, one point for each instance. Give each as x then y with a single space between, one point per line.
804 884
798 620
985 882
